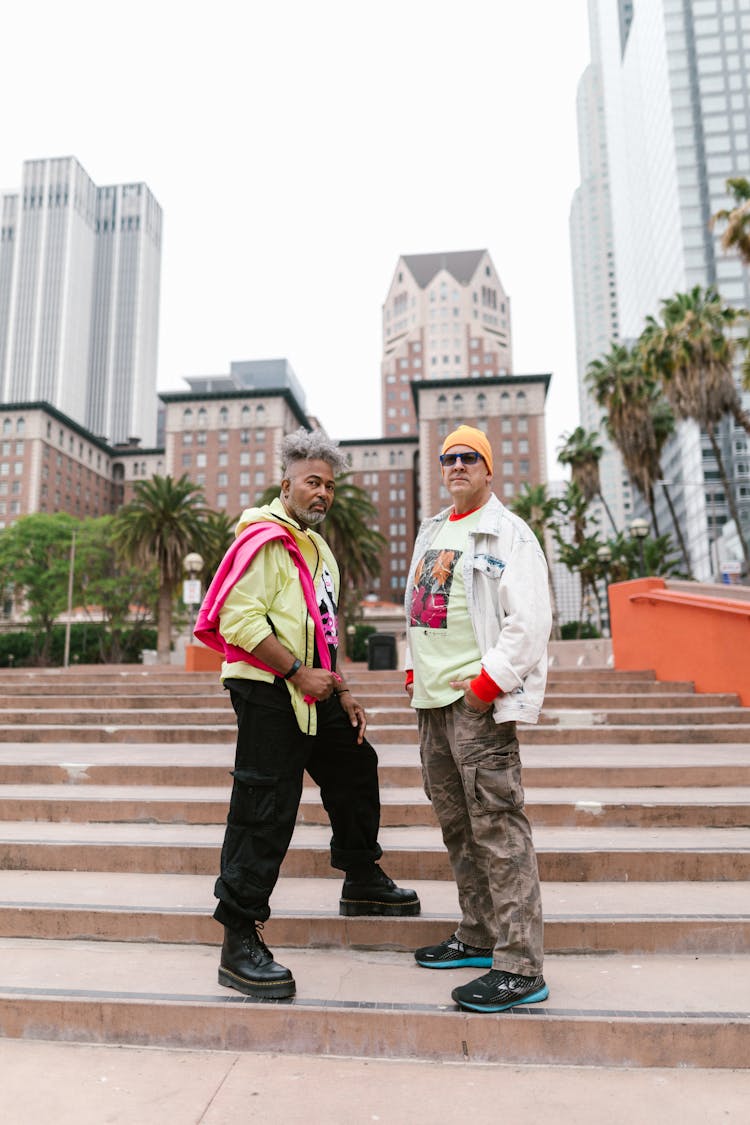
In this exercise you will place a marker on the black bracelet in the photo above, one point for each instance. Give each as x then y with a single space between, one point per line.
294 668
343 690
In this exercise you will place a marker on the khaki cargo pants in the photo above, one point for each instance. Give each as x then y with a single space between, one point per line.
472 774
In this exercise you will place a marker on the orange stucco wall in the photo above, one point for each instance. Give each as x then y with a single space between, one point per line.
681 636
198 658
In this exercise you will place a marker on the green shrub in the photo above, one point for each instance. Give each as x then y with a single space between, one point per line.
579 631
90 643
359 644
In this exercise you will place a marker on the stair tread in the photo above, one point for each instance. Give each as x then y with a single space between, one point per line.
390 795
296 896
580 986
76 756
402 838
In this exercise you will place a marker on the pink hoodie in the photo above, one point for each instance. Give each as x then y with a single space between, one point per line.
232 567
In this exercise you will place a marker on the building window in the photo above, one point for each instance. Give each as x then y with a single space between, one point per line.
187 438
222 480
200 460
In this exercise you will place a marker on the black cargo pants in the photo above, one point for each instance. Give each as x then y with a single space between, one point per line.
271 758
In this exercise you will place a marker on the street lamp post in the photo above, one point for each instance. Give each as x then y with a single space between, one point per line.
639 530
191 588
604 555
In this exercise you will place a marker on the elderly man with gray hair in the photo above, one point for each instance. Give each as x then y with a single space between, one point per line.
272 611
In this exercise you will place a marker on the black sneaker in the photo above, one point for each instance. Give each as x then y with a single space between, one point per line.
453 954
247 964
497 991
372 892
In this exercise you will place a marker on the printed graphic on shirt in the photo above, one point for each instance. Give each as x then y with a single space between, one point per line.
433 579
327 607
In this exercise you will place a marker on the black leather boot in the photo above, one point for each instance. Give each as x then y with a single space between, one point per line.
247 964
370 891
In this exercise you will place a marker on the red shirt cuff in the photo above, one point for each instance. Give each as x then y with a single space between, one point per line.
485 688
409 677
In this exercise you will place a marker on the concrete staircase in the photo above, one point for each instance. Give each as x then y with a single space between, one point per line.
113 794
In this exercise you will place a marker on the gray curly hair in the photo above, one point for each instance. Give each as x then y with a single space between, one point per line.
310 445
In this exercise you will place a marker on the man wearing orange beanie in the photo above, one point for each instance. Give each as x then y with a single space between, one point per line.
478 623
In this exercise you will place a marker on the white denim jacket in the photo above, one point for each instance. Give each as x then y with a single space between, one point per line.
507 591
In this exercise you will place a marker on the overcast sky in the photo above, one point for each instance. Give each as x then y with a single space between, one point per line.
298 148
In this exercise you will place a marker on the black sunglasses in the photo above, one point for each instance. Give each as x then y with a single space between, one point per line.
470 458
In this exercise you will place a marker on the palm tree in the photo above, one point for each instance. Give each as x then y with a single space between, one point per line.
583 452
578 555
692 353
539 510
736 235
160 525
217 533
639 422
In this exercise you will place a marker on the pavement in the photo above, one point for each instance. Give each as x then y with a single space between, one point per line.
71 1084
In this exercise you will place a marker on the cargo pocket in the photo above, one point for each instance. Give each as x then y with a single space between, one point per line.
495 785
255 798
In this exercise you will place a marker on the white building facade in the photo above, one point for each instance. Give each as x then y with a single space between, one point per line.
676 99
79 298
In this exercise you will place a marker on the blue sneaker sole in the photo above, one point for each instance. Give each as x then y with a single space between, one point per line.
464 963
532 998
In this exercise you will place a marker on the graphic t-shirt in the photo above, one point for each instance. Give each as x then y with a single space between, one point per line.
441 636
324 592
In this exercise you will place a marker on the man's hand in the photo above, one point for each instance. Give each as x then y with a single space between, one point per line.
315 682
472 701
355 711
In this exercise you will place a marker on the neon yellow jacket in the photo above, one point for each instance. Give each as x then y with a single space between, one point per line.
269 593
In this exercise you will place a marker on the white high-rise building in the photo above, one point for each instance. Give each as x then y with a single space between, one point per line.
676 102
595 286
79 298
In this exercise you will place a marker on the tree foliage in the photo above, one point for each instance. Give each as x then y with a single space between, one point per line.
160 526
691 351
35 565
736 220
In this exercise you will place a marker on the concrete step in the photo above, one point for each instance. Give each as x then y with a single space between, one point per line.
398 714
565 854
659 1011
189 764
579 917
578 729
400 806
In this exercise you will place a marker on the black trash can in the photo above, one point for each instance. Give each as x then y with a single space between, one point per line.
381 652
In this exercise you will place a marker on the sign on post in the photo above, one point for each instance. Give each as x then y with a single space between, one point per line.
191 591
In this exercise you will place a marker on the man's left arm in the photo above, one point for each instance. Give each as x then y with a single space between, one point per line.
525 629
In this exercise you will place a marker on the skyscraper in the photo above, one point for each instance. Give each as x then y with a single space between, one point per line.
79 298
594 282
446 316
676 104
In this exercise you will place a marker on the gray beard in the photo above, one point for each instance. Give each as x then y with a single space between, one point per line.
310 516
